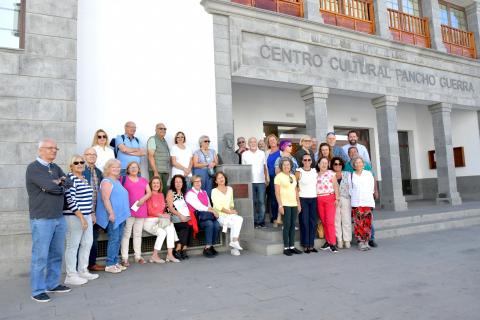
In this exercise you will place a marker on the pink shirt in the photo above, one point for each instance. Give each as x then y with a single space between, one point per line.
325 182
136 190
156 205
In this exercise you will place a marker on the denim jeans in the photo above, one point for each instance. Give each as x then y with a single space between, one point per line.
48 243
113 246
211 229
258 195
77 241
273 200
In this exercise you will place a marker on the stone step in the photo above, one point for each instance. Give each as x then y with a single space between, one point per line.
415 228
425 218
269 248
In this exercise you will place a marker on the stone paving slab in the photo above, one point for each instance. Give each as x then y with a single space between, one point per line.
425 276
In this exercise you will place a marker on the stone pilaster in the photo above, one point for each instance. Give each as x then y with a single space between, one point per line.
473 22
381 19
442 133
431 10
392 195
315 99
311 10
223 86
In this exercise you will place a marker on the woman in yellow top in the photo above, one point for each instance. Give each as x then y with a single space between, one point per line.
286 192
222 201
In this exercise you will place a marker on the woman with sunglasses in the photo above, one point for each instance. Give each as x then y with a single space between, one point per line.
77 211
307 218
181 156
204 162
286 152
103 149
289 205
343 216
327 201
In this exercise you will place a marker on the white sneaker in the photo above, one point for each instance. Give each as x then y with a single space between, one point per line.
339 244
75 280
235 245
112 269
347 244
87 275
119 266
235 252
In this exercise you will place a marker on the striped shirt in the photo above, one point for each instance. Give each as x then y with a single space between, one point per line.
78 197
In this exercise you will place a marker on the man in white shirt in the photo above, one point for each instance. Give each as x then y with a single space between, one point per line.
352 142
256 158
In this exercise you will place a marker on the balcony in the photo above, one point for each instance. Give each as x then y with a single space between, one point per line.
290 7
459 42
356 15
409 29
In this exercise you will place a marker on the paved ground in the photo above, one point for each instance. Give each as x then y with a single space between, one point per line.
426 276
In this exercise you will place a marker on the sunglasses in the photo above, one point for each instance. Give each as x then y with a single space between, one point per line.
78 162
291 179
241 142
206 141
289 145
307 160
337 164
162 128
101 137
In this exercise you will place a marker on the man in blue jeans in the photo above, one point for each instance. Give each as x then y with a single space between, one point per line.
256 158
46 183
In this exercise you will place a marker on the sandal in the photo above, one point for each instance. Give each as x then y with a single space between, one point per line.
156 260
140 261
125 263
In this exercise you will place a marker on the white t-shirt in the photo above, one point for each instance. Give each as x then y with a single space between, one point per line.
183 157
257 160
103 155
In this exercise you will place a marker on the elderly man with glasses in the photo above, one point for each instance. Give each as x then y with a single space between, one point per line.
242 147
128 146
159 156
46 184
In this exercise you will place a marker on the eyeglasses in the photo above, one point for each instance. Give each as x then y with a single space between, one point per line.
162 128
206 141
78 162
337 164
241 142
307 160
101 137
50 148
91 154
196 181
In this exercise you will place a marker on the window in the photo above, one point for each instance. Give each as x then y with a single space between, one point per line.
12 24
411 7
453 16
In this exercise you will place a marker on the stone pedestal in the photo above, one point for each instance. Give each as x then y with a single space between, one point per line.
392 195
315 99
240 178
442 133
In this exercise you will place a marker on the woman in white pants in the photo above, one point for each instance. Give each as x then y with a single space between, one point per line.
343 217
222 201
78 215
158 223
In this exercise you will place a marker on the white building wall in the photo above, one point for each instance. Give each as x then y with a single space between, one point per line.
151 67
252 105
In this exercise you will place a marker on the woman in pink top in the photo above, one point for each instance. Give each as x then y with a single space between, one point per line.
138 194
327 201
158 223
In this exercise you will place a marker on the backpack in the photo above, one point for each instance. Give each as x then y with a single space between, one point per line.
114 145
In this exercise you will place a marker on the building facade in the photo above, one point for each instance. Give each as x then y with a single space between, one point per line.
405 76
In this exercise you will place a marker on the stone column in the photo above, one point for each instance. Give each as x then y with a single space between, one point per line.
311 10
223 87
315 99
473 22
431 10
442 133
381 19
392 194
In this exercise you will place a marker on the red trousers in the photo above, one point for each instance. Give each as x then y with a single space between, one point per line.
326 212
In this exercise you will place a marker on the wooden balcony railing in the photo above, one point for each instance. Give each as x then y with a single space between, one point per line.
459 42
409 29
352 14
291 7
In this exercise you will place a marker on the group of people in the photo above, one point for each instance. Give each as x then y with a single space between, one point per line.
105 190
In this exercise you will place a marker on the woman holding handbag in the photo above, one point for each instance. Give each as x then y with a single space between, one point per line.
199 205
158 223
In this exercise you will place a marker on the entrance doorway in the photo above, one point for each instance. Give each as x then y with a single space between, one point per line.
405 162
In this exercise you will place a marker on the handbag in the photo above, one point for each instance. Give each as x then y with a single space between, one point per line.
163 223
320 231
